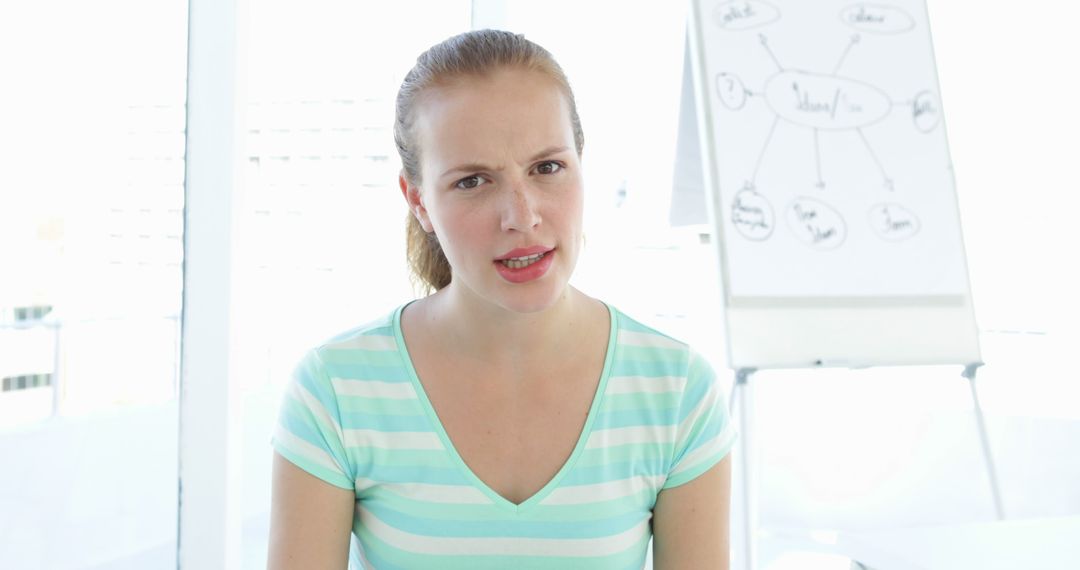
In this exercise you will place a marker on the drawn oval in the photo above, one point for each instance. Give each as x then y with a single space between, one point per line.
745 15
825 101
752 215
925 111
816 223
893 222
731 91
877 18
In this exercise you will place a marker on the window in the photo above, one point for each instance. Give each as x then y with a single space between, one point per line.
91 208
324 223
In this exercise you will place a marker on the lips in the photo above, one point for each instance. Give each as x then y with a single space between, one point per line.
519 252
522 265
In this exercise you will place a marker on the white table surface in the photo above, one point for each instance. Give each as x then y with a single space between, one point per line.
1043 544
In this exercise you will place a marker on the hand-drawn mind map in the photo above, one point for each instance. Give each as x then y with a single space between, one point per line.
830 105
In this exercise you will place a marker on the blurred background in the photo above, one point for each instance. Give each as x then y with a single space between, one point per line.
92 165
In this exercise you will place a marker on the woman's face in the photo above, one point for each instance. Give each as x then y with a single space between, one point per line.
501 186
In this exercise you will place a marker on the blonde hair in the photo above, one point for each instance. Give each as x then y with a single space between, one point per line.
472 53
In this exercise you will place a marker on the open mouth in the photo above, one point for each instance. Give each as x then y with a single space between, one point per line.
520 262
524 268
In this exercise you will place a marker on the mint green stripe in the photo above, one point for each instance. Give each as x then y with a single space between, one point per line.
630 324
623 453
497 527
355 356
669 355
300 421
595 511
582 513
380 327
647 367
652 403
422 458
391 373
379 406
438 511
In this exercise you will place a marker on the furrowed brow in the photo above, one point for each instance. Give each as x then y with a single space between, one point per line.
548 152
470 167
478 167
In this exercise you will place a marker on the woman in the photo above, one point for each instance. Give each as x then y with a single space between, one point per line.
506 420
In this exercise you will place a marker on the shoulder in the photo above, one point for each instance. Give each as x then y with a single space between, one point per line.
643 352
648 347
371 344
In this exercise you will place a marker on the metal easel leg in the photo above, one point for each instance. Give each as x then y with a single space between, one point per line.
995 489
741 392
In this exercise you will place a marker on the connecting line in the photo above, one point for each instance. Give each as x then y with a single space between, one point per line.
843 56
768 139
888 181
765 44
817 159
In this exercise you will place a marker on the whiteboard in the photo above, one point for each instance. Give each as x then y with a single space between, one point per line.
830 186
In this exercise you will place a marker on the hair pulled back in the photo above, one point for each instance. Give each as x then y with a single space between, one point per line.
472 53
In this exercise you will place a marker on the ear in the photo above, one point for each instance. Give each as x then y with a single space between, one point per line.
415 201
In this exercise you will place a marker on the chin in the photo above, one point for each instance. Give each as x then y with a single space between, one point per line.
522 298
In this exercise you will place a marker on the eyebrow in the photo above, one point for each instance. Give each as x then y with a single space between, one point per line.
474 166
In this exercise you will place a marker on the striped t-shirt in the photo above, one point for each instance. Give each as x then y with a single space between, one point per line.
356 416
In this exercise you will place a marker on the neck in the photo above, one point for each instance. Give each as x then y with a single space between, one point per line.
498 335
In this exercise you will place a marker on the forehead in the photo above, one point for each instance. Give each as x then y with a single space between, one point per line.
474 117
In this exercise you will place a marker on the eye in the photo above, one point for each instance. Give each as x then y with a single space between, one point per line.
469 182
548 167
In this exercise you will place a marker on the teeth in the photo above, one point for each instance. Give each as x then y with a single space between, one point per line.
519 262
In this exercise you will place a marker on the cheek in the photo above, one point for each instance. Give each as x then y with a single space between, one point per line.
458 231
573 207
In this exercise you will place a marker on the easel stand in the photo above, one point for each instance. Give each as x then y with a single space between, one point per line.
742 394
984 438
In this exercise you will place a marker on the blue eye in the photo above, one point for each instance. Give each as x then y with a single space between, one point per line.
549 167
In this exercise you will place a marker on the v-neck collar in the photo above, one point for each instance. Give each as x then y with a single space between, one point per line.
583 437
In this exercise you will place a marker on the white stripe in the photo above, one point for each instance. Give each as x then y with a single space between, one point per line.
431 493
312 453
649 340
366 342
313 404
692 459
396 440
502 546
584 494
627 435
645 384
374 389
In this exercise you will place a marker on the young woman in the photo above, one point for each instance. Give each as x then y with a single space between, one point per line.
507 420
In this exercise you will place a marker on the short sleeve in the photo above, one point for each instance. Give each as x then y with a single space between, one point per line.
308 432
705 433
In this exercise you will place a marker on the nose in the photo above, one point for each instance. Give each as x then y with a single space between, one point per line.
520 212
